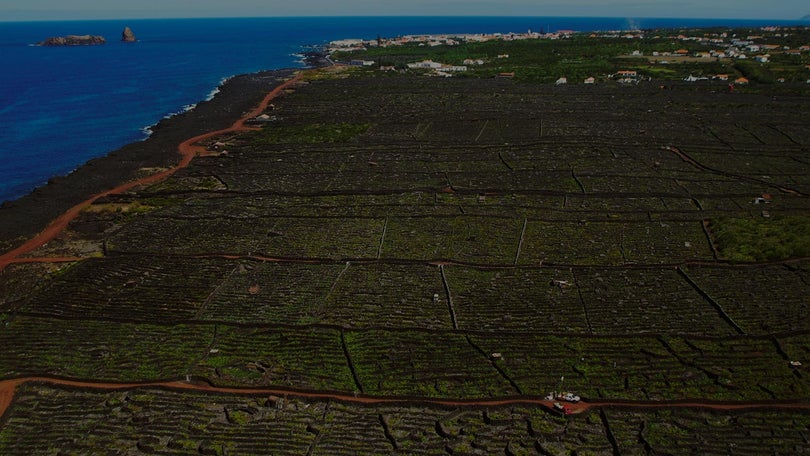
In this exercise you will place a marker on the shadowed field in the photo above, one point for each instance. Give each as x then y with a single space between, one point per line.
405 236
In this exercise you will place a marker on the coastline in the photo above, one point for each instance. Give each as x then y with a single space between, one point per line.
188 150
24 217
415 264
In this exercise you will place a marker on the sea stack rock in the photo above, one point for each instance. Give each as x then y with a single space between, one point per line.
73 40
127 36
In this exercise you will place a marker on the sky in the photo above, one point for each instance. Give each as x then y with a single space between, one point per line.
26 10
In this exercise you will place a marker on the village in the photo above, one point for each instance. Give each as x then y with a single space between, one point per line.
697 47
441 40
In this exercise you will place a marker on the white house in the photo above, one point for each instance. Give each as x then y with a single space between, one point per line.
436 66
354 42
425 65
691 78
362 63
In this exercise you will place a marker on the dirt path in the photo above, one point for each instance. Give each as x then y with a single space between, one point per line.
8 387
187 149
44 260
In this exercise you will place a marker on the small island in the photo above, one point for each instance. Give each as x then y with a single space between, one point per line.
127 36
74 40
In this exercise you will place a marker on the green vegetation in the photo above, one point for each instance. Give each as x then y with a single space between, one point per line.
755 71
583 55
763 239
311 359
531 60
99 350
309 133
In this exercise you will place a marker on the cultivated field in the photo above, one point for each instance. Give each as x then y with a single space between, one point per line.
435 240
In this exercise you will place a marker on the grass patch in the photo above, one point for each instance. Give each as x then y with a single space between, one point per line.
777 238
310 133
328 73
134 207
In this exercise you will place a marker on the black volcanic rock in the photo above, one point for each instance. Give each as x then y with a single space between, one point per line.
73 40
127 36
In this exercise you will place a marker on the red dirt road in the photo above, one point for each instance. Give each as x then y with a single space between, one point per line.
8 387
188 150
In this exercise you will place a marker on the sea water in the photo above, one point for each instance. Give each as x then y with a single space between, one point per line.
62 106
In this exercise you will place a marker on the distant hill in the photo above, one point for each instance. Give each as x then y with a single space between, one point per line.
805 18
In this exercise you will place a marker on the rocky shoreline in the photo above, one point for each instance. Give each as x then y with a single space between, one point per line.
21 218
317 57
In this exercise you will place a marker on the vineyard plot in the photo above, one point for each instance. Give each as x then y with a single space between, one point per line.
415 363
516 299
482 240
682 432
466 239
101 350
150 290
761 300
335 238
271 293
303 358
387 295
613 243
655 301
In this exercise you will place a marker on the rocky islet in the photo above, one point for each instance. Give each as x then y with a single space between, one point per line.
74 40
127 36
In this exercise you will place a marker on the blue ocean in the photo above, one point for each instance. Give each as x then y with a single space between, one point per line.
61 106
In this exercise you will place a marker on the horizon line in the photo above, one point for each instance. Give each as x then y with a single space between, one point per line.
802 19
